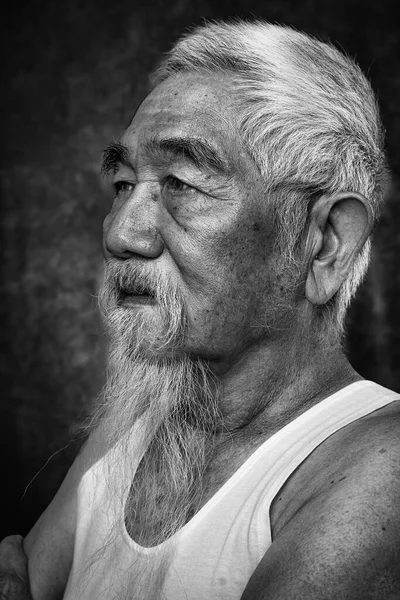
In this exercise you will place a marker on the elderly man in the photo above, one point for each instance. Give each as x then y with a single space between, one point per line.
235 453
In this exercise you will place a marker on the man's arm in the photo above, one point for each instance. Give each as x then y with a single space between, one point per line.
344 541
14 579
49 546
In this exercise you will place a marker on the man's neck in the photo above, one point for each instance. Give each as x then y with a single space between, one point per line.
269 387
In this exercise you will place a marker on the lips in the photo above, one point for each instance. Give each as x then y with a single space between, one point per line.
135 300
135 295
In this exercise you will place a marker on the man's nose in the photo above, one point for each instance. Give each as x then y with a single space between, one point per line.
133 228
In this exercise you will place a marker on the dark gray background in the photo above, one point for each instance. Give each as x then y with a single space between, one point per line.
73 73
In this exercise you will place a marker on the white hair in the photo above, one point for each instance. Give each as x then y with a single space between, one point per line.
309 119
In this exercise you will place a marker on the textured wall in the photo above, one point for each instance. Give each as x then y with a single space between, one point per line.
73 73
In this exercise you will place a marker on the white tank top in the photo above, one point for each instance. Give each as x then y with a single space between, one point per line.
216 552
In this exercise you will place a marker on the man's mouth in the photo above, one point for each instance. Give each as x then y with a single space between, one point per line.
137 296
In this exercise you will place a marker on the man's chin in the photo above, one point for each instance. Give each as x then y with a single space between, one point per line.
147 342
140 328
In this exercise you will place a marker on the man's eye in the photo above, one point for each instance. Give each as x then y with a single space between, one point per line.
173 184
122 187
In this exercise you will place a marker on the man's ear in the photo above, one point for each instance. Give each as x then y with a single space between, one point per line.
339 225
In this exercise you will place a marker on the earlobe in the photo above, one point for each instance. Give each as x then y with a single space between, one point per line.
339 226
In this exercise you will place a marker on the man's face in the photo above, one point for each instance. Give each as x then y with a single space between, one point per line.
190 205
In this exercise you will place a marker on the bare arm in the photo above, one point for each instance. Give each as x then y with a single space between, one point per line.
49 545
14 580
344 542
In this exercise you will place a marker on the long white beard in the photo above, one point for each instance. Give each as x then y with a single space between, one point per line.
174 396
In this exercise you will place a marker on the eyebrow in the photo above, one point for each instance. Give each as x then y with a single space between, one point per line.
196 150
114 155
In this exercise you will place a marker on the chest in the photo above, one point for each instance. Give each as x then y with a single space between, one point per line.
157 506
213 557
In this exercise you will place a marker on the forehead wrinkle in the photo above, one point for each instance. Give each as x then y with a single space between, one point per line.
198 151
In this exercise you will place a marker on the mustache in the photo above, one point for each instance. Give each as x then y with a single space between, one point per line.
136 287
153 333
131 278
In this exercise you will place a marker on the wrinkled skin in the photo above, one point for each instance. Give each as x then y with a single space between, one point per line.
210 231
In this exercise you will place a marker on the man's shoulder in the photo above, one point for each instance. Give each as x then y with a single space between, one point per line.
369 442
359 460
338 531
360 457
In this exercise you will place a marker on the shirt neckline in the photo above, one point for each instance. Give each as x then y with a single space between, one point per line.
237 476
